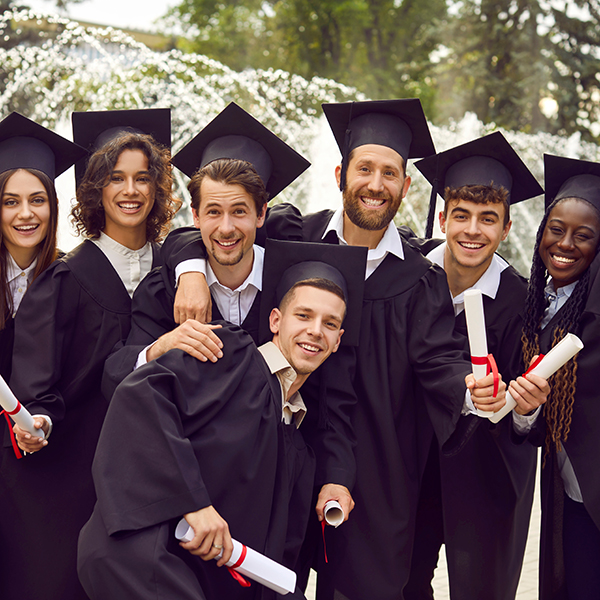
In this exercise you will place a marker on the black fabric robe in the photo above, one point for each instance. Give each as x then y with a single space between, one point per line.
152 316
7 336
407 340
181 435
582 446
69 320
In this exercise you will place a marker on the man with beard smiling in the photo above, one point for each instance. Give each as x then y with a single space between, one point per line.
478 181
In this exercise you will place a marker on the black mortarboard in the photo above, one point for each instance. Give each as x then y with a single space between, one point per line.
93 129
25 144
397 124
287 263
234 133
571 178
489 160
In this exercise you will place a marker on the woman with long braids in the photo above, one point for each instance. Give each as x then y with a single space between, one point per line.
562 298
68 323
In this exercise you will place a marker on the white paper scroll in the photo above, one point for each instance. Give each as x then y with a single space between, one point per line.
255 566
477 336
22 416
564 351
334 515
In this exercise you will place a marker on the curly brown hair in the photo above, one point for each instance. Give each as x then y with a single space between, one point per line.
47 251
479 194
231 172
88 213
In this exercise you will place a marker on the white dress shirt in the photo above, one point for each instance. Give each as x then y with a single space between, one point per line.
18 280
294 408
131 265
390 242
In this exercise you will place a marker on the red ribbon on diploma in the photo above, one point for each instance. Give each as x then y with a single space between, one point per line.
534 364
490 363
10 430
324 544
232 570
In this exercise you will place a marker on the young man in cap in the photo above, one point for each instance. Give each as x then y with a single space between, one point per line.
218 443
479 181
406 337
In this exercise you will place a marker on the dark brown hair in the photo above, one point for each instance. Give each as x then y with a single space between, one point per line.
231 172
47 249
479 194
88 213
315 282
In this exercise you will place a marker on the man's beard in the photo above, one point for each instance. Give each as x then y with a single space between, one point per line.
371 220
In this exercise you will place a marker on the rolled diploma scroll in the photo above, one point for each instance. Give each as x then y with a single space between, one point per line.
333 513
564 351
477 335
22 417
256 566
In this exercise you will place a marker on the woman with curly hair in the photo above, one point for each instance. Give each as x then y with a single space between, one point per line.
562 298
68 324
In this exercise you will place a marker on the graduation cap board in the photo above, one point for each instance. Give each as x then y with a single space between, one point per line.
235 134
571 178
25 144
397 124
93 129
287 263
489 160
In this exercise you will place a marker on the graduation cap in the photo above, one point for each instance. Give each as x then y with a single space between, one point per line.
235 134
94 129
398 124
26 145
571 178
287 263
489 160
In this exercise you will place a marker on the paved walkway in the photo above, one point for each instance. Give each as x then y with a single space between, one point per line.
528 585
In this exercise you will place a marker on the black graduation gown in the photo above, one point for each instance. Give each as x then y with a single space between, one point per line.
484 549
406 340
69 320
7 336
152 316
181 435
582 446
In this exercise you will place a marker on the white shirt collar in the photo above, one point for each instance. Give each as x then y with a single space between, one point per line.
18 280
488 283
254 279
13 270
389 243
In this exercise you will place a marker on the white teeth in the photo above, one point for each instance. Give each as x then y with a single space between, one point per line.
25 227
310 348
227 244
563 259
128 206
471 246
372 201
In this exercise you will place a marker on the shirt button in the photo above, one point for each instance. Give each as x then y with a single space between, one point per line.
22 274
20 290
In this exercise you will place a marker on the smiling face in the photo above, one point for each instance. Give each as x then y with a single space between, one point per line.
25 216
128 199
227 220
570 240
307 329
375 186
473 232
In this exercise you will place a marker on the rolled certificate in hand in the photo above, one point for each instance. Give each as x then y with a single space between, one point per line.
333 513
564 351
17 412
250 563
477 337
